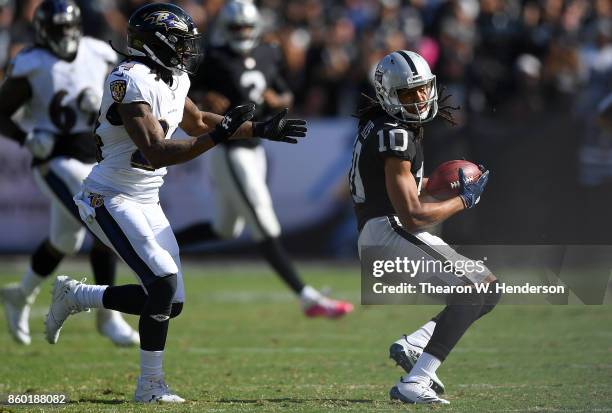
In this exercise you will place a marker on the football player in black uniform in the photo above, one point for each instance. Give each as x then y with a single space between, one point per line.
239 70
386 178
55 81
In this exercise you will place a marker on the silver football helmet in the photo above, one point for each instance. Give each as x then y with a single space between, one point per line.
239 25
403 70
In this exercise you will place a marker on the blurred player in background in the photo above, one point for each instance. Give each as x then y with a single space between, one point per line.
386 178
58 81
144 102
237 70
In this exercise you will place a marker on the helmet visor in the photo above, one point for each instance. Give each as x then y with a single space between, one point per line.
189 51
416 101
64 39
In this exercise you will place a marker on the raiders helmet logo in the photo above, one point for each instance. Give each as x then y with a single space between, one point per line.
117 89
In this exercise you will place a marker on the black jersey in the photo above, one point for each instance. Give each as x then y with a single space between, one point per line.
377 139
242 78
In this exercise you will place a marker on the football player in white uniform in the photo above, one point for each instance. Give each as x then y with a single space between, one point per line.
393 215
59 82
144 102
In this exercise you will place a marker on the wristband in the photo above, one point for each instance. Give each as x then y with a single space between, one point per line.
257 129
218 136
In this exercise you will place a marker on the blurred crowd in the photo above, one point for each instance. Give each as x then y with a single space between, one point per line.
485 51
529 76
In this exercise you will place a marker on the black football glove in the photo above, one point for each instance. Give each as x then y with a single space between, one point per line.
470 191
279 129
232 121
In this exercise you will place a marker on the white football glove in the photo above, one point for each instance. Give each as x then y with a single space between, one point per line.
40 143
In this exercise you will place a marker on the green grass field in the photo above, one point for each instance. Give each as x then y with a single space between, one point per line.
242 345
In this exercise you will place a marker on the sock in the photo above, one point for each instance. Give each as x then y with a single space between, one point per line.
153 333
151 364
278 259
90 296
193 234
453 322
30 283
103 264
424 369
421 337
155 318
309 295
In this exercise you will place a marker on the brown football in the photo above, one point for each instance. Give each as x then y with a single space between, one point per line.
443 182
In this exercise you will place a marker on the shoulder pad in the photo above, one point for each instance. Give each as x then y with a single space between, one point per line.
127 84
396 140
100 48
25 63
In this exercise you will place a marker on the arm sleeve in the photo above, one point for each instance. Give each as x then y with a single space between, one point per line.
397 142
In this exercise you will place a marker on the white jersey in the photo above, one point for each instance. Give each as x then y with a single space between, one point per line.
122 169
58 86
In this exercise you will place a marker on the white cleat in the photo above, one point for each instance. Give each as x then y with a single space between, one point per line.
406 354
412 392
63 304
112 325
17 312
155 390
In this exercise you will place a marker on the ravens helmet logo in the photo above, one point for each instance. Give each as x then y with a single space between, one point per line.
168 19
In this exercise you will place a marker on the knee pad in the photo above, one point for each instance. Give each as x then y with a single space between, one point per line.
177 308
159 301
473 298
68 242
264 224
490 299
45 259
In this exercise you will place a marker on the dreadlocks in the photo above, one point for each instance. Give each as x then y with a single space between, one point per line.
371 108
445 110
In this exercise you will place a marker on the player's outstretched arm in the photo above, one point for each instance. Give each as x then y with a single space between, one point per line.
276 128
403 193
147 133
14 93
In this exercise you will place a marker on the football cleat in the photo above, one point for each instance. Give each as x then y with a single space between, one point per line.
413 392
155 390
17 311
326 307
406 354
63 304
112 325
